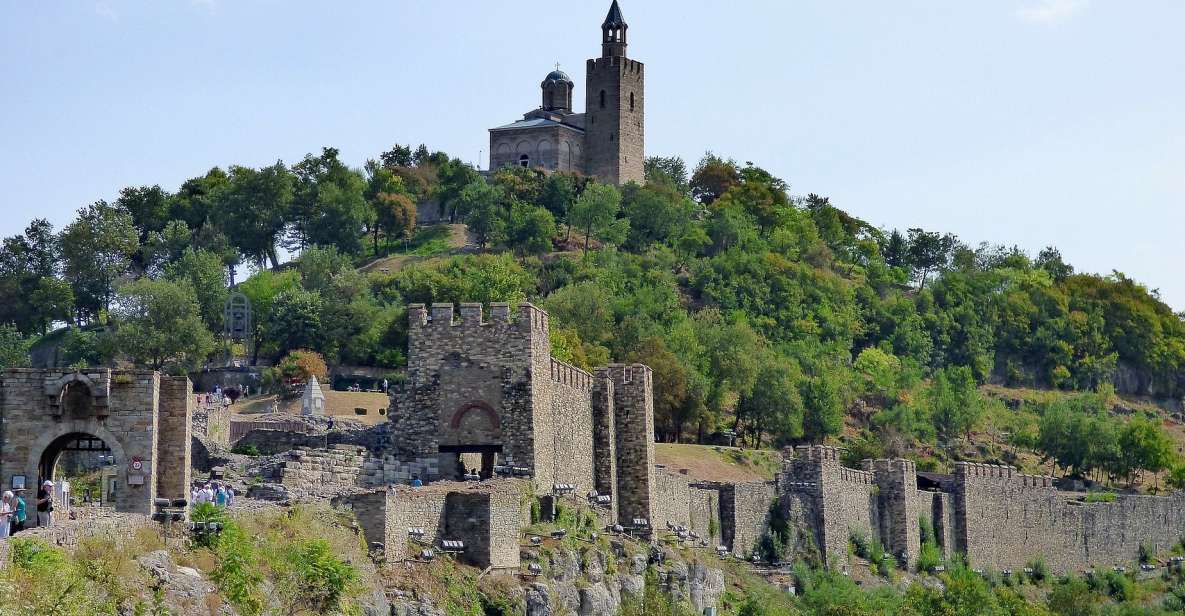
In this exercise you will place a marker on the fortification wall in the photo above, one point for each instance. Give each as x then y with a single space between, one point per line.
572 416
633 416
476 380
937 509
604 438
1005 519
175 441
305 470
486 517
744 514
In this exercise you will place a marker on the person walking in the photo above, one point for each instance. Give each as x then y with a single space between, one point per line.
6 513
45 504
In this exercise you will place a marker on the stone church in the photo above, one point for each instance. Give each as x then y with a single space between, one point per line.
607 140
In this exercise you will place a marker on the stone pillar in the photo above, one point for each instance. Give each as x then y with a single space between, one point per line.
175 438
604 437
633 414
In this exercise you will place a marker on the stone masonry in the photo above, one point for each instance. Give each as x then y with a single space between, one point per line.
491 387
142 417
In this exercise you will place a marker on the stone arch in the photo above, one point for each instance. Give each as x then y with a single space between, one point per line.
58 388
66 428
546 149
476 405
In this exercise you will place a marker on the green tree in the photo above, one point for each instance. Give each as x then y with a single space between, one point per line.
774 405
929 251
954 402
253 208
261 290
205 274
530 229
329 205
14 348
595 213
1143 446
667 170
158 323
97 250
295 321
481 206
823 407
149 208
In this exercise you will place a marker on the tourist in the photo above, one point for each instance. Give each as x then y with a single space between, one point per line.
45 504
415 482
19 511
6 512
220 496
385 385
230 496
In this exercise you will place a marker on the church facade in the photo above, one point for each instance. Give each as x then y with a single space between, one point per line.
607 141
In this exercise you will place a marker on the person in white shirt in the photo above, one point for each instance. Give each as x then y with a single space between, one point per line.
7 509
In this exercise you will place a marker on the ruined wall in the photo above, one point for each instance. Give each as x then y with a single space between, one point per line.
1005 519
309 469
744 514
937 508
487 517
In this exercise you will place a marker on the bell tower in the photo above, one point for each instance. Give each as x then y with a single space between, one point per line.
615 108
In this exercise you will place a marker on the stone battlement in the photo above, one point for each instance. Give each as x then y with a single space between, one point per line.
852 475
528 318
567 374
817 453
972 471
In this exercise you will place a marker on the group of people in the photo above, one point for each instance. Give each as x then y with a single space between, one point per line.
218 493
14 510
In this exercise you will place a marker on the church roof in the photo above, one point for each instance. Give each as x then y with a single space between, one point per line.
533 123
614 18
557 75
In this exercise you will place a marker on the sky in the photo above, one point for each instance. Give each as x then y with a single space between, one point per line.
1018 122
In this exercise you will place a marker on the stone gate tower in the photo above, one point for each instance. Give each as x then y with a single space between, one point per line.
615 107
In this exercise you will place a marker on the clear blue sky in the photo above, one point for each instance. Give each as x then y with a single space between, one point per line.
1028 122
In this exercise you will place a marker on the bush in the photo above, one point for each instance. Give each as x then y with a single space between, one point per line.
246 450
1118 586
1100 497
929 558
1040 571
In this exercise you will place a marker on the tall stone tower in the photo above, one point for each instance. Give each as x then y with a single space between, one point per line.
614 142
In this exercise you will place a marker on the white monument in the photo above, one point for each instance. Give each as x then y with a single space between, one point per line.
313 401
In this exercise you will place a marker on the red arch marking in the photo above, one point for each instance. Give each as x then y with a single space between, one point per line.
475 405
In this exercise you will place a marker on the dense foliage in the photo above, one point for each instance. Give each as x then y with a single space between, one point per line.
776 317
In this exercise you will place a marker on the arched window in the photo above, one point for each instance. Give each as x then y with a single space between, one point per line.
631 101
524 161
602 99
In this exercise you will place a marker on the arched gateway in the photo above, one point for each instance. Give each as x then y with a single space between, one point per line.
138 420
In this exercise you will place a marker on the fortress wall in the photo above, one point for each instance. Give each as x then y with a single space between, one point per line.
412 508
604 439
704 509
175 438
936 508
744 514
898 507
633 417
488 524
573 436
1006 519
672 500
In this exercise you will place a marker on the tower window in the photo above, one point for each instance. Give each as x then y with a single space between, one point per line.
631 101
612 136
602 99
524 161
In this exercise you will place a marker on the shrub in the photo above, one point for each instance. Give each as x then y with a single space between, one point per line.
1040 571
1100 497
1118 586
860 545
929 558
246 450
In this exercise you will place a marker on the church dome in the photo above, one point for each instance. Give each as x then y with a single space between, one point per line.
556 76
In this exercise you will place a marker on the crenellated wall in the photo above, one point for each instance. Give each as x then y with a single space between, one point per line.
1005 519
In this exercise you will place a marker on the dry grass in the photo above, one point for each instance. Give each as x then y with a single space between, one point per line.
709 463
